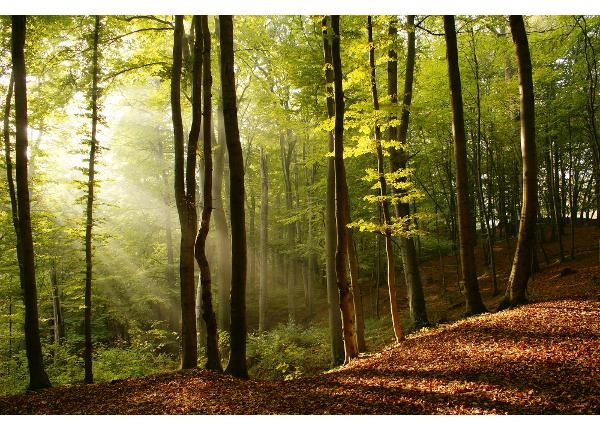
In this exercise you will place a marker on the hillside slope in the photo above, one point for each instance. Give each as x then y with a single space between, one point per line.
539 358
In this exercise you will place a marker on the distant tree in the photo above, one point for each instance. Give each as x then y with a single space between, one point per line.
474 303
264 240
237 358
516 292
37 375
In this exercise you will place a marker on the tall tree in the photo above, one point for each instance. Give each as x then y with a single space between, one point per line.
341 192
237 358
89 212
335 321
474 303
516 292
212 342
37 375
264 240
185 189
398 160
389 246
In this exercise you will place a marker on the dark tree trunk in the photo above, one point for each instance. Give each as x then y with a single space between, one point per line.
208 314
521 267
398 160
185 192
9 173
37 375
474 303
389 246
335 321
221 229
237 359
341 192
89 222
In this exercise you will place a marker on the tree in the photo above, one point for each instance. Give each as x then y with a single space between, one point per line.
389 246
237 358
341 192
521 268
38 378
185 189
89 211
335 322
208 314
474 303
264 240
398 160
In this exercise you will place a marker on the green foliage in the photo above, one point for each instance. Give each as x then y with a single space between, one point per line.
288 352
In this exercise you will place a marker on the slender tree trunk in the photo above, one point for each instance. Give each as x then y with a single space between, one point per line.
37 375
89 222
264 241
221 229
556 197
185 191
9 172
474 303
58 322
572 186
345 293
286 148
335 321
208 314
389 248
521 267
398 160
237 359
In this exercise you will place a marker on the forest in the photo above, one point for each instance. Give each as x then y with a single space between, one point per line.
299 214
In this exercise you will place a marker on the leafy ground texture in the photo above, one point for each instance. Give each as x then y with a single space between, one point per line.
542 358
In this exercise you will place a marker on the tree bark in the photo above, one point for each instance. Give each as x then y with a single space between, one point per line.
264 241
185 192
237 359
389 246
345 293
58 322
474 303
221 228
335 321
89 222
38 378
208 314
398 159
521 267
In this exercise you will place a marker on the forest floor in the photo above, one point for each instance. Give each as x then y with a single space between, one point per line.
542 358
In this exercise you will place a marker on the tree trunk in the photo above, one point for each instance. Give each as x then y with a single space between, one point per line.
335 321
208 314
474 303
521 267
185 191
389 246
89 222
398 159
264 241
37 375
58 322
221 229
237 359
341 192
9 173
286 147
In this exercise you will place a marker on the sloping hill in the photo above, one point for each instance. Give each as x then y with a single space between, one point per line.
539 358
